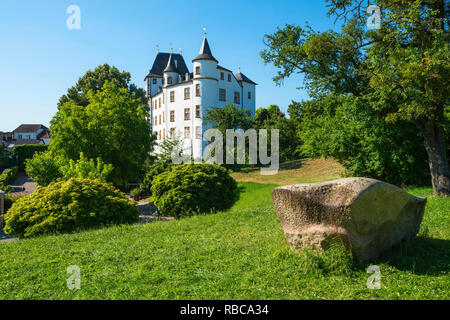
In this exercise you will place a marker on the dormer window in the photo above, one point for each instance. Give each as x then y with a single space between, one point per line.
155 81
169 80
197 70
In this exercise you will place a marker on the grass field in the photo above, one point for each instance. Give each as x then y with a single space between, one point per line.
298 171
238 254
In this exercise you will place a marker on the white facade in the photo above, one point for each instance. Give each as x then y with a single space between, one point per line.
179 100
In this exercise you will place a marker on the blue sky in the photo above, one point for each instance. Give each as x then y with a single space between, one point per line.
40 58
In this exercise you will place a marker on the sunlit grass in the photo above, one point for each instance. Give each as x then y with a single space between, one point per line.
238 254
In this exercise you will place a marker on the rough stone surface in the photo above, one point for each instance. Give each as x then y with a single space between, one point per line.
370 216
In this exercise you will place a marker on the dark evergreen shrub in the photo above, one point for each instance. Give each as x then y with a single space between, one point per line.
192 189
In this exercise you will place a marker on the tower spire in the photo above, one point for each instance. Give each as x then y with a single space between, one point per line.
170 64
205 51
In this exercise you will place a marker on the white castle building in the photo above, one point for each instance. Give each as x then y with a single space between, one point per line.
179 98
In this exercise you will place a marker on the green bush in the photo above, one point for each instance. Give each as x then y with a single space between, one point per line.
68 206
9 201
87 169
23 152
45 168
154 170
7 177
192 189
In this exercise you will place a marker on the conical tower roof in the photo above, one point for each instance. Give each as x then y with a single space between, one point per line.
170 65
205 52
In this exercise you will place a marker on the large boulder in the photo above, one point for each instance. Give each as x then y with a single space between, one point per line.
368 215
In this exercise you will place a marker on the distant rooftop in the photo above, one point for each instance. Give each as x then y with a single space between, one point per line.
27 128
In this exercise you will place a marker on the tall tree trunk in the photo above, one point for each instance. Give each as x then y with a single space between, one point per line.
434 142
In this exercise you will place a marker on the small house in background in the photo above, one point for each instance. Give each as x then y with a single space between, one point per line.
29 132
26 134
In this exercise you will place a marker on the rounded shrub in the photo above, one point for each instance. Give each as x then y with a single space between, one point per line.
67 206
154 170
192 189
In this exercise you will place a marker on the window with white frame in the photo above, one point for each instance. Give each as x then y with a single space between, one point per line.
187 132
187 114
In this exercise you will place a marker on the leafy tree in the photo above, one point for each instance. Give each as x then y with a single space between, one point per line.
169 147
229 117
47 167
401 71
87 169
274 118
44 168
113 127
95 80
351 132
272 114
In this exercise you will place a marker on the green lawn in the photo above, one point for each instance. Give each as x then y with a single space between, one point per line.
239 254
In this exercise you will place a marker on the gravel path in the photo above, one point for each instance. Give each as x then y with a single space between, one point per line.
23 182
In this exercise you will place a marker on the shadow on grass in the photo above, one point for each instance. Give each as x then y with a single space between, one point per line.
290 165
421 255
237 194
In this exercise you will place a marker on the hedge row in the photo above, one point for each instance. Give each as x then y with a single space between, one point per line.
23 152
7 177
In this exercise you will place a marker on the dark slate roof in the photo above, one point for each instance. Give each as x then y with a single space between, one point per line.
170 65
27 128
205 52
241 77
161 62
